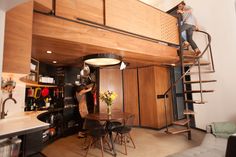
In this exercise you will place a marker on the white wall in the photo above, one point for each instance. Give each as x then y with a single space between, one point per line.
219 19
2 28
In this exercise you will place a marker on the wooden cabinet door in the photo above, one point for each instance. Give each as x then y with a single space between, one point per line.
91 10
131 104
44 6
18 39
147 96
162 83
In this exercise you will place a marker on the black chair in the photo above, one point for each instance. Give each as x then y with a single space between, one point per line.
96 132
123 132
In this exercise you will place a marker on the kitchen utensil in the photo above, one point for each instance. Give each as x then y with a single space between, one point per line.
30 92
45 92
37 93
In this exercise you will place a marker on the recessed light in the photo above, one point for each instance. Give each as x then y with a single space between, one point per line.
54 62
49 52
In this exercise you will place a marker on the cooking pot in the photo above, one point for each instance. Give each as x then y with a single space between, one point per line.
85 71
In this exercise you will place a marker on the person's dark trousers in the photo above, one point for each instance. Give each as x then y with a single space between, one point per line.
189 31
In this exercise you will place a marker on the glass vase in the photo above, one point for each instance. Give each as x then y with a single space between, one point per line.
109 110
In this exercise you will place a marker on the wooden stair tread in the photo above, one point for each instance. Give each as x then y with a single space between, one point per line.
202 63
188 112
202 72
198 91
181 122
195 101
190 56
174 131
203 81
188 52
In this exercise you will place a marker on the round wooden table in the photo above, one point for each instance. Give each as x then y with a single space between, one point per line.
104 117
116 116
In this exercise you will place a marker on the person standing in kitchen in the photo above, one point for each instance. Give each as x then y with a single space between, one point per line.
189 25
82 104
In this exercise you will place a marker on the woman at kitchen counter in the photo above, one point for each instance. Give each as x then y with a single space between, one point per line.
82 103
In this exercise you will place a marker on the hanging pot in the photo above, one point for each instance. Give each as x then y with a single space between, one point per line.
85 71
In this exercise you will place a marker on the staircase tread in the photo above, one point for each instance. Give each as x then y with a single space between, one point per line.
189 112
181 122
201 63
190 56
198 91
177 131
195 101
202 72
203 81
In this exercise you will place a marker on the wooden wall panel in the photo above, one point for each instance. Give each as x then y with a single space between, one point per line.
111 79
148 112
131 105
162 83
91 10
18 39
44 6
137 17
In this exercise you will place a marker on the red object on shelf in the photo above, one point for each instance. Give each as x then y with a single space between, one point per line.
45 92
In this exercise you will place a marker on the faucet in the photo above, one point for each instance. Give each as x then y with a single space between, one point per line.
3 113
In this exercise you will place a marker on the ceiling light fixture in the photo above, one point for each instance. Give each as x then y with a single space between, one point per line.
49 52
54 62
99 60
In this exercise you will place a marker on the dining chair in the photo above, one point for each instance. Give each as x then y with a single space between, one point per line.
97 133
123 132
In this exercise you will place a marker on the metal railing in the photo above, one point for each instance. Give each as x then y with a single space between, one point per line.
196 61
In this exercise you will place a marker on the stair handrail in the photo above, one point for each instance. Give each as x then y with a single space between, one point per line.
196 61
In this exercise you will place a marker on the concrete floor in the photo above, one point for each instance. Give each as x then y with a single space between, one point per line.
149 143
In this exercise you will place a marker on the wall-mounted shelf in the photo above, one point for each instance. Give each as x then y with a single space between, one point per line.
30 83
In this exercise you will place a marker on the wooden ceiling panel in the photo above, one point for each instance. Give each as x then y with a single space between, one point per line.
71 53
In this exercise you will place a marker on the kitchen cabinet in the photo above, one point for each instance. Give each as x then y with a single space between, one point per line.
44 6
130 82
91 10
18 39
154 81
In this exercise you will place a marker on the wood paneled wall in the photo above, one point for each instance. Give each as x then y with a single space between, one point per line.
91 10
154 81
137 17
131 104
18 39
111 79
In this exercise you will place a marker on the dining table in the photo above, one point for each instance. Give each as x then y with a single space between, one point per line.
109 119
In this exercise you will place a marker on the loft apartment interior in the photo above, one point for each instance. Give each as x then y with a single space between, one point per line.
136 78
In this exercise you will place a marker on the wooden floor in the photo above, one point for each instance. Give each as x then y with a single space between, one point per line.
149 143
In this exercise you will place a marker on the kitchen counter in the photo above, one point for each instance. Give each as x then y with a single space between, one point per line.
21 123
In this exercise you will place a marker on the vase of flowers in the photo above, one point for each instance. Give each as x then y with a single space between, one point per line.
108 97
